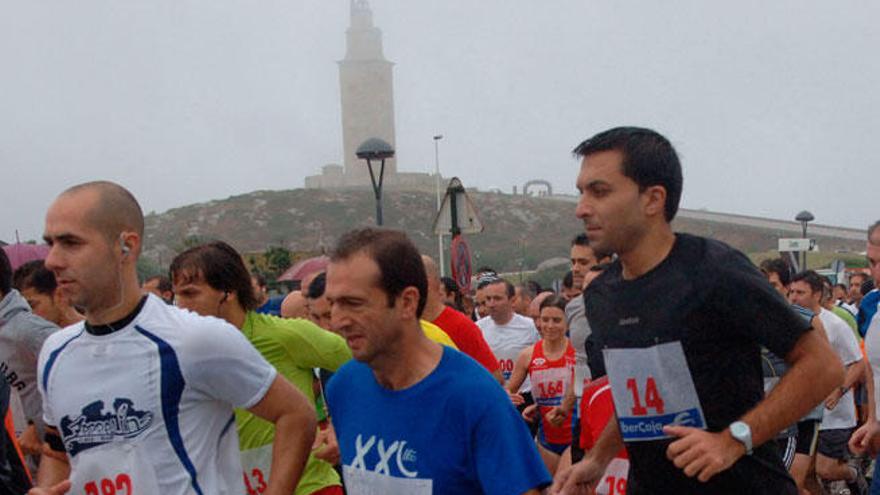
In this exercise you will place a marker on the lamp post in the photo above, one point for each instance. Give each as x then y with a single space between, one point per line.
804 218
437 139
376 149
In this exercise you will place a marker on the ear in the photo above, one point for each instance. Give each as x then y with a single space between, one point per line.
130 243
409 303
654 200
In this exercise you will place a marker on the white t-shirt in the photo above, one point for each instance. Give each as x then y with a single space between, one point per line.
508 340
149 407
844 343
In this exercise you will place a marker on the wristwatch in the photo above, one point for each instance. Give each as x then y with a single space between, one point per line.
743 434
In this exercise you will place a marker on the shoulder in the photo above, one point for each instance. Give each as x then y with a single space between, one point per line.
521 321
59 338
485 323
349 375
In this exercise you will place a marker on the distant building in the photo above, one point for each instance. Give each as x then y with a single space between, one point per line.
366 89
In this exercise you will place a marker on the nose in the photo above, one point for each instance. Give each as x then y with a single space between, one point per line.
53 259
338 319
584 208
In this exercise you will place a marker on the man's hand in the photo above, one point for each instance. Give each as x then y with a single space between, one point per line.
30 442
833 399
326 446
701 453
866 438
580 479
517 399
530 413
59 489
556 416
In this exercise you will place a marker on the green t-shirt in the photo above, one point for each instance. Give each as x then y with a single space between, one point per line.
848 318
294 347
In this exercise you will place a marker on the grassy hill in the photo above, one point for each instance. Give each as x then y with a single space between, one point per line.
520 232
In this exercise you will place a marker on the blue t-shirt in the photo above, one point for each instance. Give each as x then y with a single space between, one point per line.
867 309
454 432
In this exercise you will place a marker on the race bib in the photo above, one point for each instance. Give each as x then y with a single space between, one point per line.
115 468
652 388
550 385
256 465
362 482
614 480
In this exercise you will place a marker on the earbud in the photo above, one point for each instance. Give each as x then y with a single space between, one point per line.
124 247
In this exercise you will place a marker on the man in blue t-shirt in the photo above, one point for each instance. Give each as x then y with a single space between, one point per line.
413 417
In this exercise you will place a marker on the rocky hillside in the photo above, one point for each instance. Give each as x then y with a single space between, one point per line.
520 232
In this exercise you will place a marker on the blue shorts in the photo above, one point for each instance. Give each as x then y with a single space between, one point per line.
558 448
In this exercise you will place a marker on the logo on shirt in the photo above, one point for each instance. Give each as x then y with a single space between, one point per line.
539 361
94 427
632 320
395 452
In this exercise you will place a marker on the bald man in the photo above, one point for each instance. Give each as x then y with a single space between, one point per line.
167 378
461 329
294 305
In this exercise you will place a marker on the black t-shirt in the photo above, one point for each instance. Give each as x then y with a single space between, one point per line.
711 299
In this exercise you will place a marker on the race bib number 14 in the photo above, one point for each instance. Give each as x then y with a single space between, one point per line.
652 387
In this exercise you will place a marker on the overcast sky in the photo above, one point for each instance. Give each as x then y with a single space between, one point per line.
773 106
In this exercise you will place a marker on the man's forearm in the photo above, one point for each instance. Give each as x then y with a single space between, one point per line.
51 471
854 374
609 443
294 436
811 377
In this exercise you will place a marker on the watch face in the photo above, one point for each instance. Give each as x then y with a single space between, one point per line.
739 429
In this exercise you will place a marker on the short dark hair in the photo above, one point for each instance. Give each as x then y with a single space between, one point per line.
164 283
117 209
568 280
526 289
220 266
5 273
811 278
867 286
839 286
535 287
581 240
317 286
861 275
554 301
450 285
400 264
648 159
35 275
486 281
779 267
872 229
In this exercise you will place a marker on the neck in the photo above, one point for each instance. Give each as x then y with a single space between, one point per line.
69 316
503 320
432 310
650 251
130 294
235 315
555 345
412 359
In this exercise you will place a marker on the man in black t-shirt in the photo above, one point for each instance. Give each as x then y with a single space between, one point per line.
681 321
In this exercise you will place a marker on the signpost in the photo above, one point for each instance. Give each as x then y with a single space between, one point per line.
458 216
788 247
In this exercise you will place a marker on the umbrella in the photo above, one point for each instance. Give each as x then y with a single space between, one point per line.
20 254
304 268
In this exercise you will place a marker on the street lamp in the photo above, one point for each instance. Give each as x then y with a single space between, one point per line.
437 139
804 218
376 149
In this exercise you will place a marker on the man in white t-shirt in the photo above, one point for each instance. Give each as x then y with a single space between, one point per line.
140 396
808 290
506 332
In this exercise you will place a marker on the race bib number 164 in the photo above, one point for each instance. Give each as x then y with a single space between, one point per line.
652 387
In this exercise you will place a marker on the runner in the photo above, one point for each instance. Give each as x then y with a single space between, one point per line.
597 409
807 290
142 393
414 417
39 288
22 334
462 330
212 280
680 321
550 364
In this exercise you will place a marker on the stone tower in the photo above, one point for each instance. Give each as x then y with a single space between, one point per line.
367 92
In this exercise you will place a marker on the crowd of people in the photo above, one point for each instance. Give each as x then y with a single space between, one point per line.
665 363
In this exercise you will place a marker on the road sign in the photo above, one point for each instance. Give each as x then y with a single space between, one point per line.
457 213
460 259
798 245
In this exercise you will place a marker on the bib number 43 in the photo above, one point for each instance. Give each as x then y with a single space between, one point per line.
650 400
121 485
255 483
